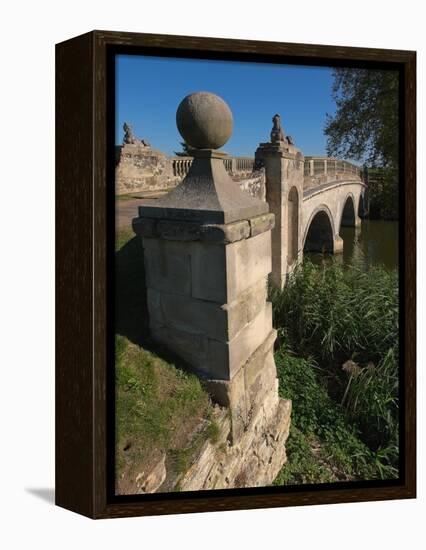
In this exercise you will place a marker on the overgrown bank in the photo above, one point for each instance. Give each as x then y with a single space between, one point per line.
344 421
338 361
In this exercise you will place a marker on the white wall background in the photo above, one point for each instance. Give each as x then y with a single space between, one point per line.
28 32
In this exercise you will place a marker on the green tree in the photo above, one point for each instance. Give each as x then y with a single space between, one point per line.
186 150
365 128
365 125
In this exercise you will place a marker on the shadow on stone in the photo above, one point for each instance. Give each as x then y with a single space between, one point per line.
131 314
131 311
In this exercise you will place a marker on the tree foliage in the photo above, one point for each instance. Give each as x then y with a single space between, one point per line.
186 150
365 125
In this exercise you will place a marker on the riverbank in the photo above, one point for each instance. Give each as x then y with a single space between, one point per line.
337 359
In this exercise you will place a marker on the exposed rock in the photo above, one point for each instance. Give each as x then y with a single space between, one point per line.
254 461
151 481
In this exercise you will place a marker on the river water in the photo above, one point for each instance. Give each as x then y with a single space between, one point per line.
374 243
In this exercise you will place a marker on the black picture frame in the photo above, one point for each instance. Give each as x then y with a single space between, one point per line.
85 202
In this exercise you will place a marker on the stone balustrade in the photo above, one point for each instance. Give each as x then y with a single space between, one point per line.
141 168
181 166
243 164
318 166
314 167
320 170
234 165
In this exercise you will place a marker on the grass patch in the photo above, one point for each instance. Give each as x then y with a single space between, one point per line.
122 237
213 432
342 324
323 446
158 408
184 457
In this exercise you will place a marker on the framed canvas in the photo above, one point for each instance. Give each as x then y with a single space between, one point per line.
235 327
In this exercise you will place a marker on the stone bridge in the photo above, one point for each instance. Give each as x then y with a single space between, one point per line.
333 197
326 209
311 197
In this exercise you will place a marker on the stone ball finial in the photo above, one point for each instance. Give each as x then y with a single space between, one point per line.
204 120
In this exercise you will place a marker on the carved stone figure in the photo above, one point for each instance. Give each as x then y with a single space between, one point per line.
130 138
277 132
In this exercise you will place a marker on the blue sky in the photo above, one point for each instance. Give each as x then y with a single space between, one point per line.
149 90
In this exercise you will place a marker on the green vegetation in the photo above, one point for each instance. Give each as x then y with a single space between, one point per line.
365 128
323 446
186 150
159 407
383 193
130 294
123 237
341 325
365 125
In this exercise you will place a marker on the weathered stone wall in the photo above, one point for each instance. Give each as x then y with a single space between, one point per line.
141 168
253 183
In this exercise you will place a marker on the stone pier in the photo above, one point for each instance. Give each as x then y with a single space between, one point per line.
284 167
207 251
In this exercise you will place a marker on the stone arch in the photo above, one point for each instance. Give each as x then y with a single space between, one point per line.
319 233
292 225
348 217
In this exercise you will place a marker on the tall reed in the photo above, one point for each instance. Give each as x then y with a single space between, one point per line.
346 319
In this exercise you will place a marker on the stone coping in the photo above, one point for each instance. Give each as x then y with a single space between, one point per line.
313 191
174 230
